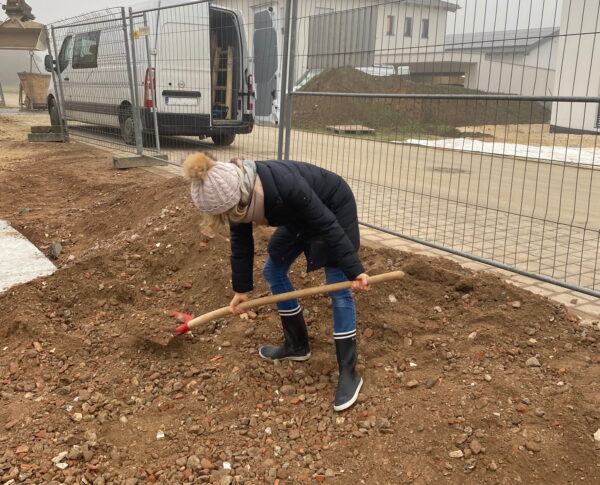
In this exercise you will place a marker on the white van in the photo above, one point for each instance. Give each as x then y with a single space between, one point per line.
200 82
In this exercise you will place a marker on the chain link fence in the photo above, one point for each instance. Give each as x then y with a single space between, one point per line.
468 126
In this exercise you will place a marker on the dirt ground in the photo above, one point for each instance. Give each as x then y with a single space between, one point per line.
525 134
467 379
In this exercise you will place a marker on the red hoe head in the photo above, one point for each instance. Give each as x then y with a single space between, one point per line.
183 328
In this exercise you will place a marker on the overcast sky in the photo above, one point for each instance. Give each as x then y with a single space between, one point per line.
473 16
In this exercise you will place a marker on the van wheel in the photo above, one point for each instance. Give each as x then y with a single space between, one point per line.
54 114
127 125
223 139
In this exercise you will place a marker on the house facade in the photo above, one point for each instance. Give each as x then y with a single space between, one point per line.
577 70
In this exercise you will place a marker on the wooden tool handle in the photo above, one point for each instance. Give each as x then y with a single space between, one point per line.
268 300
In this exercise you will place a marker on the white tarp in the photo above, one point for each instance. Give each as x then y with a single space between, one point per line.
580 156
20 261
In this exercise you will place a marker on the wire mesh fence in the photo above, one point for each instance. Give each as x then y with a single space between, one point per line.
470 126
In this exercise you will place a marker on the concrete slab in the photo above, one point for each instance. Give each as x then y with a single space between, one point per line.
20 261
45 137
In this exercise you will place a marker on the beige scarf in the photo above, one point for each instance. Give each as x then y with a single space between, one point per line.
251 207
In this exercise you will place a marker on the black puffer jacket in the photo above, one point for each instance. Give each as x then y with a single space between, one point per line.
314 210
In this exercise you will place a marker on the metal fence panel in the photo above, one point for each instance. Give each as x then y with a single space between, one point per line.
473 130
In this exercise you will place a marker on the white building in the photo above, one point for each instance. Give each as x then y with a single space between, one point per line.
518 62
577 69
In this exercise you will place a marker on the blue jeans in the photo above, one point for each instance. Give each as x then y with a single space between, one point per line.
344 309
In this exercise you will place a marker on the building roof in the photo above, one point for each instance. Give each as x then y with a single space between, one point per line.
453 7
514 41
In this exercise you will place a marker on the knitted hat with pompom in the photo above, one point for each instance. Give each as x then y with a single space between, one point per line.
215 185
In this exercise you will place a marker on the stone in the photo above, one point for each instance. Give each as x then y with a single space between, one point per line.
533 362
487 378
193 462
597 435
294 434
55 249
287 390
516 304
476 447
493 466
533 446
206 464
456 454
412 384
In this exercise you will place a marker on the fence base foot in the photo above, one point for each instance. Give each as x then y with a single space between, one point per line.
123 163
45 129
46 137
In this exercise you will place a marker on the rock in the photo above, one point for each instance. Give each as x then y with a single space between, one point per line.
533 362
597 435
533 446
412 384
60 457
430 383
193 462
22 449
25 210
287 390
55 249
294 434
472 336
493 466
516 304
226 480
456 454
476 447
206 464
392 298
487 378
539 412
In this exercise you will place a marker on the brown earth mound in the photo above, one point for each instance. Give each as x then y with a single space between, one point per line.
467 379
397 116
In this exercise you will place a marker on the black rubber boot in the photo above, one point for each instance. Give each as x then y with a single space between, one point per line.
349 383
295 345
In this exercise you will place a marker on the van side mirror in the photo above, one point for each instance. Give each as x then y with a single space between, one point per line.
48 63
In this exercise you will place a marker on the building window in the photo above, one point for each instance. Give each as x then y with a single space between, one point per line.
408 27
425 29
322 10
389 25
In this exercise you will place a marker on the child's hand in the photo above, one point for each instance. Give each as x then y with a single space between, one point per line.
237 299
361 283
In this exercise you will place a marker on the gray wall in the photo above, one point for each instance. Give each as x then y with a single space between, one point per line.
341 39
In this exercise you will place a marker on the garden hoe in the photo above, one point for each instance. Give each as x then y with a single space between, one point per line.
189 322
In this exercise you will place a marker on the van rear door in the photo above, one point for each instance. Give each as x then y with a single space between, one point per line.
183 80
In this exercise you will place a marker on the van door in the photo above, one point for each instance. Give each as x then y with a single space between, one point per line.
266 64
183 80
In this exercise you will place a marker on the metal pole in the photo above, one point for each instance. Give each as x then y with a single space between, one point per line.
456 97
57 74
151 67
132 73
284 76
291 79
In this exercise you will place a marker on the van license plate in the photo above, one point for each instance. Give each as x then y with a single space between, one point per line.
176 101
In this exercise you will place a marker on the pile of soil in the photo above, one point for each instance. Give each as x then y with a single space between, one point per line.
397 116
467 379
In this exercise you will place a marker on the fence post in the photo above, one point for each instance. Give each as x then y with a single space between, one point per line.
153 90
284 77
132 75
57 74
291 79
